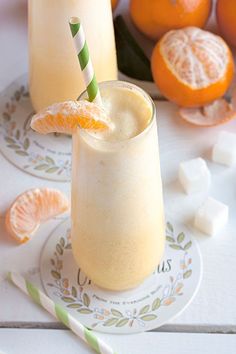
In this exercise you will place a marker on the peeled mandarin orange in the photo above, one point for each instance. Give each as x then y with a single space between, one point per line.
65 117
32 208
156 17
192 67
226 18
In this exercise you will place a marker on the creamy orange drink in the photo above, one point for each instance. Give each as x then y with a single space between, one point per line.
54 71
118 230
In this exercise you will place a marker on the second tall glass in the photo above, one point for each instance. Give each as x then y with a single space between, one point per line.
54 71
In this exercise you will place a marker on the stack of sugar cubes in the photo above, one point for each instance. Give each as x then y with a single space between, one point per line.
194 175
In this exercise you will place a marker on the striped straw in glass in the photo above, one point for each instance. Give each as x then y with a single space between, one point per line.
85 60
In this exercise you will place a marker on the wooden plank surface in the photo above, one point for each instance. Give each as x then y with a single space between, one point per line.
36 341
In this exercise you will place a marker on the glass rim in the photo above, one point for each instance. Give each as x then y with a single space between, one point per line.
128 85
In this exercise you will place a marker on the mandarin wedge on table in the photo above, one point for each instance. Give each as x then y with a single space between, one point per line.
226 18
65 117
156 17
32 208
192 67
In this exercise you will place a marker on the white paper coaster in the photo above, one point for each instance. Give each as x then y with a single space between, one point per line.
160 298
45 156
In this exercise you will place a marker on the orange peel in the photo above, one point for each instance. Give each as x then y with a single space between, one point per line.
218 112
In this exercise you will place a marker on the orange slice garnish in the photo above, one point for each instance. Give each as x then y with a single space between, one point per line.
218 112
31 208
65 117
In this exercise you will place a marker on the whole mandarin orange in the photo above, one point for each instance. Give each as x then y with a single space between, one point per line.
226 18
156 17
192 67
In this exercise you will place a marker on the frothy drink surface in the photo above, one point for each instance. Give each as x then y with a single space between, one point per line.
129 111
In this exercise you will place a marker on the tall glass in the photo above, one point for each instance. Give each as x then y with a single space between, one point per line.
54 71
117 207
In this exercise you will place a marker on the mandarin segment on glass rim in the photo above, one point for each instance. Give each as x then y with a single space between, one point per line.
65 117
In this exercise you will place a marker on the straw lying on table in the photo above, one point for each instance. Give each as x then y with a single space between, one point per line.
84 60
61 314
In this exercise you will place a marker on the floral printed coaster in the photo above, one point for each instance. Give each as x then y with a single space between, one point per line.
162 296
45 156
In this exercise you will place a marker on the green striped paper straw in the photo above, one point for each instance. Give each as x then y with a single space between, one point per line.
61 314
85 60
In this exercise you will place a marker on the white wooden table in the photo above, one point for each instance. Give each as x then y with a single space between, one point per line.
208 325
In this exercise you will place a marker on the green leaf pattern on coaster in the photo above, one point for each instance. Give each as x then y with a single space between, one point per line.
76 299
176 244
20 141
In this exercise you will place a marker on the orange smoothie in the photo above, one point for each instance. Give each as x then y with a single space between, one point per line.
118 229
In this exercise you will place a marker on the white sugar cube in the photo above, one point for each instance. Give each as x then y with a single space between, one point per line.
224 151
194 175
211 217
